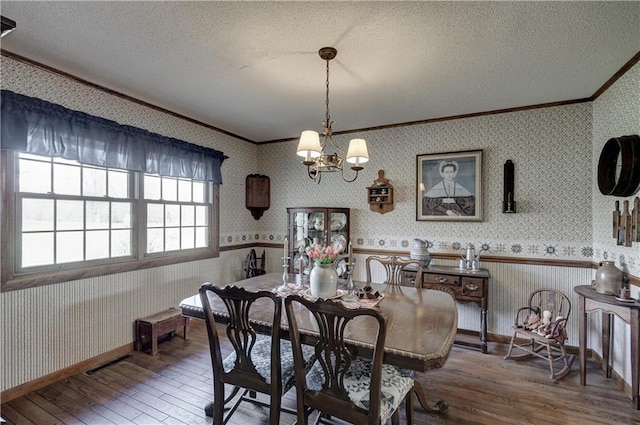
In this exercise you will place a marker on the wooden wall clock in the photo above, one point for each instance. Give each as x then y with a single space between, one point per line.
619 166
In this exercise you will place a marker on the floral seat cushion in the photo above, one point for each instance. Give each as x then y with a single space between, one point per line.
396 383
261 357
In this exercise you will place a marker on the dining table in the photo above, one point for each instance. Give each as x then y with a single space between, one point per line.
421 323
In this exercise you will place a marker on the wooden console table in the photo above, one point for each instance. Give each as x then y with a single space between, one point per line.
468 286
590 301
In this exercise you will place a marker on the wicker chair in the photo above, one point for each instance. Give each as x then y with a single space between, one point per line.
543 337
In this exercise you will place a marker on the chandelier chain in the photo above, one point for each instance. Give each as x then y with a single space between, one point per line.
327 117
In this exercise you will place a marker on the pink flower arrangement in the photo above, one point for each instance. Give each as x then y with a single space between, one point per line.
325 255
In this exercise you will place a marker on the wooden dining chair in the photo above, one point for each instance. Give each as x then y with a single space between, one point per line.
259 363
394 267
255 266
343 384
533 335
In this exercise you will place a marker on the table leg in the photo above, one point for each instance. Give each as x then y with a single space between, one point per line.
635 361
606 344
582 345
483 330
440 406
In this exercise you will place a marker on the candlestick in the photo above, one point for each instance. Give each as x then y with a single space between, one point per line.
285 275
349 257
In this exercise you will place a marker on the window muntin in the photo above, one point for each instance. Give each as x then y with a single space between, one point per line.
70 216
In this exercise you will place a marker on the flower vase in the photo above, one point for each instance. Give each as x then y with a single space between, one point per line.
323 281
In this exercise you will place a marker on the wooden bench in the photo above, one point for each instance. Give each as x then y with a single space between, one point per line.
159 324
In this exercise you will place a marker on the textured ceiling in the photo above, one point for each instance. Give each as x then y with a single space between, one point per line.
252 68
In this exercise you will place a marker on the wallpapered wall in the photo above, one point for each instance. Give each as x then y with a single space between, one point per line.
31 81
79 320
551 150
616 113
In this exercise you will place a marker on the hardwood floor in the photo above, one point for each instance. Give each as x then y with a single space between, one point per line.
173 387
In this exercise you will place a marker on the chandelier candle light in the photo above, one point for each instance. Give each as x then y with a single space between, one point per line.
315 154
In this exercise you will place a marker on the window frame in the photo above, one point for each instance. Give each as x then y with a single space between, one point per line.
11 280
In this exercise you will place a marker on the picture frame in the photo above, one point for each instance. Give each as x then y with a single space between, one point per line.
449 186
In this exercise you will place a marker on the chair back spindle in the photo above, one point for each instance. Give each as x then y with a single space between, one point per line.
393 269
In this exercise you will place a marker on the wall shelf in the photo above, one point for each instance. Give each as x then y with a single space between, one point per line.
380 194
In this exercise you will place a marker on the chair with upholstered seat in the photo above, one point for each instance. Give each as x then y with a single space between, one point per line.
393 268
540 330
342 384
259 362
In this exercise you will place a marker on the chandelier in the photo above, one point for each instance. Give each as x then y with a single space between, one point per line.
318 156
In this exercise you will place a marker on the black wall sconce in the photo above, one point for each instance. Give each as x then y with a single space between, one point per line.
508 202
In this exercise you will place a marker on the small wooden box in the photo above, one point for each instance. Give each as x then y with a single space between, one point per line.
159 324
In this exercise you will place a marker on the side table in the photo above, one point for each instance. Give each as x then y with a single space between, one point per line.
468 286
591 301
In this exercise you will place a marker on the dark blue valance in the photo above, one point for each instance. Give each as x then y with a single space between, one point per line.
43 128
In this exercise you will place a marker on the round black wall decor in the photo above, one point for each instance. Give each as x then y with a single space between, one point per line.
619 166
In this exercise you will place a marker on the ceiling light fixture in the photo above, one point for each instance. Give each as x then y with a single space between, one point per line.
315 154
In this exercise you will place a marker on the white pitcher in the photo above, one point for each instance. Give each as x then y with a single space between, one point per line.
420 251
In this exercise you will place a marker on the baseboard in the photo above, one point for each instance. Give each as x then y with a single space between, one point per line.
43 381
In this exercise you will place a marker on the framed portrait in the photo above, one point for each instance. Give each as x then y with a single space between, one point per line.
449 186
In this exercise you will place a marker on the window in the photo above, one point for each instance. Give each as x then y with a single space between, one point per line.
68 220
177 212
65 220
68 213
